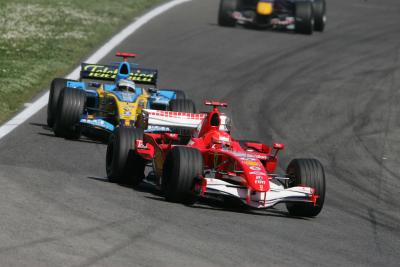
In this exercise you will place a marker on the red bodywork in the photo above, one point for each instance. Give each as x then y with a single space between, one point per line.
125 55
249 165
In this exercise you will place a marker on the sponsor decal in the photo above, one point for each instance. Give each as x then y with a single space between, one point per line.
255 168
174 114
250 163
93 122
128 97
127 111
263 157
253 156
104 72
257 173
248 159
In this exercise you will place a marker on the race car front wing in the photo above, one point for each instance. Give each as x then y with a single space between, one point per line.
260 200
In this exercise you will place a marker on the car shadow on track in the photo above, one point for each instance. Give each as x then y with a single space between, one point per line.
254 28
206 203
82 139
104 180
233 206
44 126
214 204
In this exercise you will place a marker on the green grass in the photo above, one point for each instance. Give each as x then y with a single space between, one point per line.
43 39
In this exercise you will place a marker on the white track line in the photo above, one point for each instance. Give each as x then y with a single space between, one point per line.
32 109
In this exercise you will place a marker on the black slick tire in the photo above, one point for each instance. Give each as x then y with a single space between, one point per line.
304 17
122 164
179 94
319 7
226 8
183 165
310 173
69 111
182 105
57 85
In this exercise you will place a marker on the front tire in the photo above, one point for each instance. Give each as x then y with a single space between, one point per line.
304 17
69 112
179 94
226 8
310 173
183 165
122 164
319 7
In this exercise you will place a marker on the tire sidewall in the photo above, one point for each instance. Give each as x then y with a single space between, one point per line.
319 9
226 8
122 164
309 173
57 85
304 17
181 167
69 112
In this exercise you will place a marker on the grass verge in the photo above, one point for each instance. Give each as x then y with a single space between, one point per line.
43 39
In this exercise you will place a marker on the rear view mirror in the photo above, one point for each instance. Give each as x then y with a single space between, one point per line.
278 146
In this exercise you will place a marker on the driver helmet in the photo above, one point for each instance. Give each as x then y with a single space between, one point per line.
226 124
126 85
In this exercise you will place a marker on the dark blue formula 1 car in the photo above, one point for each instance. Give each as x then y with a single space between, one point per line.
106 97
302 16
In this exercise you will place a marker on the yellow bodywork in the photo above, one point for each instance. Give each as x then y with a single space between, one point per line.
126 111
264 8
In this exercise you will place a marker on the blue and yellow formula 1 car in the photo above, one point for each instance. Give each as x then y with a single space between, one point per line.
106 97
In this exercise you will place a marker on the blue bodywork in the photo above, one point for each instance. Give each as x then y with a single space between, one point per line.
159 98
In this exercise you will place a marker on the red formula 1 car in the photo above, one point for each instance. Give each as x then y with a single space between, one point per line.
212 162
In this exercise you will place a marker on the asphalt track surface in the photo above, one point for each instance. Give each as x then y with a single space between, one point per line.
331 96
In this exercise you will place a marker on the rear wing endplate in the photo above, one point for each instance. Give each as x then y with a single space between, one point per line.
109 73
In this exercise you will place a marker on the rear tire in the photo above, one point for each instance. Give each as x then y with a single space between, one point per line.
122 164
57 85
183 165
226 8
179 94
182 105
310 173
319 7
69 112
304 17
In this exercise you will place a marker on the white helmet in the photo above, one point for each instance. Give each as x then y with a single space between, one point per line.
126 85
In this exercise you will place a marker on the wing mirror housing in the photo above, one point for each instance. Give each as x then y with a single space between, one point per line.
278 146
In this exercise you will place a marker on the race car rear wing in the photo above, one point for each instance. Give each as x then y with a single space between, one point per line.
172 119
109 73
